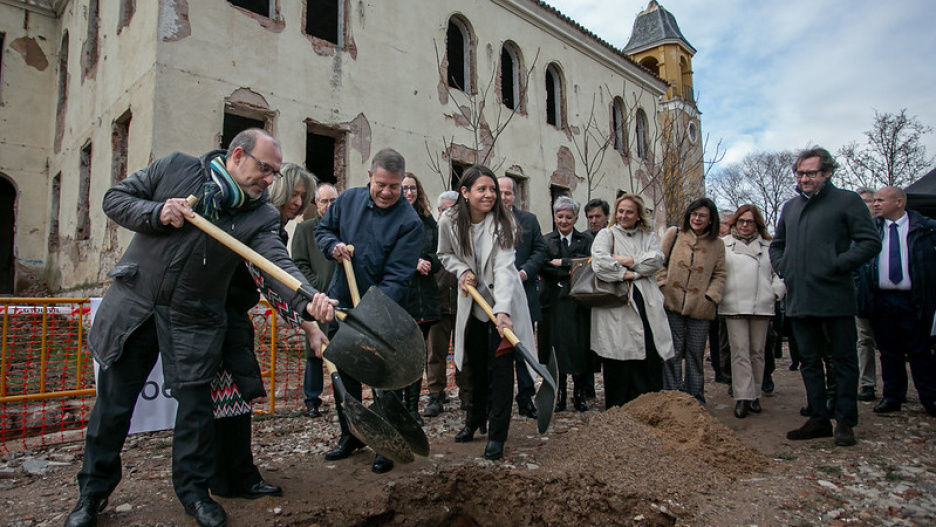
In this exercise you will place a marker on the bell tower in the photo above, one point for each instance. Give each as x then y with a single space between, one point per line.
657 44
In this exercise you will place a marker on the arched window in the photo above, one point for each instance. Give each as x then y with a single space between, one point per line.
511 81
651 64
641 132
554 109
62 101
458 52
618 127
685 77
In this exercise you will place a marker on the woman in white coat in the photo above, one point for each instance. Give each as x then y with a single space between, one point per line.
632 340
751 288
477 237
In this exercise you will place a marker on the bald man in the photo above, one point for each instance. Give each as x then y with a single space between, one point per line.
898 294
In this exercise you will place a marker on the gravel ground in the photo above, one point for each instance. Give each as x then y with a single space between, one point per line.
661 460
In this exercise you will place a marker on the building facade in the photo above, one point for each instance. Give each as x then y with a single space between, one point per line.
91 91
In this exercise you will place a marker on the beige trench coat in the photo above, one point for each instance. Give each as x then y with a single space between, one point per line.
617 332
498 282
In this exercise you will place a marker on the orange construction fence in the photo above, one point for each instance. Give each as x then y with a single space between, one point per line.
47 373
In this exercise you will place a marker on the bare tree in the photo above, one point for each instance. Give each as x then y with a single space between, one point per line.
763 179
591 144
893 153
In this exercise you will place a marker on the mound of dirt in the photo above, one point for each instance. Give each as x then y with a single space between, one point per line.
685 427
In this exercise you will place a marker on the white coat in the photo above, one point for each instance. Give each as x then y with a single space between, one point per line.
498 282
751 287
617 332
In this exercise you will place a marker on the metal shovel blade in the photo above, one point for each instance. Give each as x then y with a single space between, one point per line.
391 407
545 398
379 344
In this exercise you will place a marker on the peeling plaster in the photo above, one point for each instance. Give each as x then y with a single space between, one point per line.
31 52
276 25
248 97
174 20
564 175
361 136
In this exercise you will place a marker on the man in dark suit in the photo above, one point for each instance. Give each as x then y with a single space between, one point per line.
898 293
531 252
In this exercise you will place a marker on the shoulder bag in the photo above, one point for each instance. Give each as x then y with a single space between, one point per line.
588 290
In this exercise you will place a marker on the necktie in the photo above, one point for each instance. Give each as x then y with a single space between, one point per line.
565 243
895 271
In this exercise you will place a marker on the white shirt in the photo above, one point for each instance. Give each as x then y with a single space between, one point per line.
903 228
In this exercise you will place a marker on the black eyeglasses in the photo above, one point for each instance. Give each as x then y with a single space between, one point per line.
811 174
264 167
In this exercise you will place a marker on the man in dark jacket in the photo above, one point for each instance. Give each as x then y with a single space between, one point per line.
898 295
530 255
318 269
387 236
822 237
168 299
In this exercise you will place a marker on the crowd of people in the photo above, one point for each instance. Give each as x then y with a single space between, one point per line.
715 276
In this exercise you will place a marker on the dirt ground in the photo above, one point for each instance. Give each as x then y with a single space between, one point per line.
662 460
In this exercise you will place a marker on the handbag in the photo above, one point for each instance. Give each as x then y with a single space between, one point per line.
588 290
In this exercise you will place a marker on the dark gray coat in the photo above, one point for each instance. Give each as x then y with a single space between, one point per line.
180 276
819 243
531 253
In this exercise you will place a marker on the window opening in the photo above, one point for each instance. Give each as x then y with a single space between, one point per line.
120 144
553 97
509 79
83 224
54 212
260 7
456 46
235 124
641 129
323 19
320 157
618 124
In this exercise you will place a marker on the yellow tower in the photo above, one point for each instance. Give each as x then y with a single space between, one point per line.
657 44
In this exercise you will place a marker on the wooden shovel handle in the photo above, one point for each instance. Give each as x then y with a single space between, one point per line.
352 281
490 312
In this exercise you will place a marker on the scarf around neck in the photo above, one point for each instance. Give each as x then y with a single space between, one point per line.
221 192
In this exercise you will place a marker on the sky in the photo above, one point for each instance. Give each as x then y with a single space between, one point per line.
786 74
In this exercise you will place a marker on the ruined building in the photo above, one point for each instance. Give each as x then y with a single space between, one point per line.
92 90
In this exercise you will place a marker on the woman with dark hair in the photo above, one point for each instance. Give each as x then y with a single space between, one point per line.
422 297
751 289
692 281
477 237
566 325
632 340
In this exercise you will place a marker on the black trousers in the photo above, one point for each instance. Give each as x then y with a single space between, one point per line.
492 378
626 380
903 336
117 390
835 337
235 471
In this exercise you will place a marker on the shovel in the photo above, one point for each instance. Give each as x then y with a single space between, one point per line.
388 403
545 399
378 342
365 424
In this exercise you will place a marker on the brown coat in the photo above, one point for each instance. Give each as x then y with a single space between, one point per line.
694 278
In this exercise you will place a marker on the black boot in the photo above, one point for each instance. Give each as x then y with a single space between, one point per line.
561 394
578 400
86 511
467 433
411 398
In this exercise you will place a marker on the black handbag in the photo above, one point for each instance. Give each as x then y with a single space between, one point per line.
588 290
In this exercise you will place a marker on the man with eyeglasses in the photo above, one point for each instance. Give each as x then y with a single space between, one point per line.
387 236
168 299
823 236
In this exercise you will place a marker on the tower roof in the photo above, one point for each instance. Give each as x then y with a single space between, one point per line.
654 26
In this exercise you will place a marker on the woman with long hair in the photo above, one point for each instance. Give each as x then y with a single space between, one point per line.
751 290
477 237
632 340
422 297
692 281
566 325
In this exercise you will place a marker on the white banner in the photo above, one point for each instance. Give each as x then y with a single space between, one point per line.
154 409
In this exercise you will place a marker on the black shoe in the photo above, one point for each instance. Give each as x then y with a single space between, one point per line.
794 366
381 465
527 409
346 446
260 489
886 406
578 401
768 386
741 409
811 430
561 401
756 407
207 513
86 510
722 378
805 411
866 394
434 407
494 450
844 435
313 412
466 434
